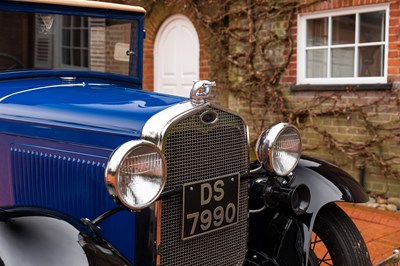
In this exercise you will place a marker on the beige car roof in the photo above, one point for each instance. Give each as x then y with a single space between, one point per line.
90 4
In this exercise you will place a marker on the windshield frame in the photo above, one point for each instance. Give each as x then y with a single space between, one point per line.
62 9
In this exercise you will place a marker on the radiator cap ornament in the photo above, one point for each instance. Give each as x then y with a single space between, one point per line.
200 91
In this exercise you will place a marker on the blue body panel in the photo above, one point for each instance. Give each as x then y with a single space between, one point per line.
56 137
68 111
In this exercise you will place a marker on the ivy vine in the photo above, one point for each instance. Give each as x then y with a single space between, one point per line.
250 44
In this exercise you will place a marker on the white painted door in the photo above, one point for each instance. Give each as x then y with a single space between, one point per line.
176 56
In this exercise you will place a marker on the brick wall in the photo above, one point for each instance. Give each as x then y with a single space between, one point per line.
153 21
351 128
384 105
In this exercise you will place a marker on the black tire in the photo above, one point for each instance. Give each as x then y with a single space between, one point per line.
336 240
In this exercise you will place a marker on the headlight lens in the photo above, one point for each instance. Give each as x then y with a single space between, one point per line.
136 174
278 148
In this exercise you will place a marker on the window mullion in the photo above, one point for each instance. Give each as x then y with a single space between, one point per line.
71 41
385 29
329 47
357 42
81 41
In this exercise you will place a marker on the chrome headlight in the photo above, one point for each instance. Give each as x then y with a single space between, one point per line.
278 148
136 173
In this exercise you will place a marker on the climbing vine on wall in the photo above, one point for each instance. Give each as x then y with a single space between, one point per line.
251 46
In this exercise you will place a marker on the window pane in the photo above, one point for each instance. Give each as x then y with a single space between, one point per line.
85 58
316 65
342 62
371 61
77 38
66 56
85 38
66 40
317 32
85 22
343 29
76 21
372 27
66 21
76 57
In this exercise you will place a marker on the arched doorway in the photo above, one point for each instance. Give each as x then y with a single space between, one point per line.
176 56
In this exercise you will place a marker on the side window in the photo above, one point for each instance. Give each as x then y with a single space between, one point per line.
86 43
342 47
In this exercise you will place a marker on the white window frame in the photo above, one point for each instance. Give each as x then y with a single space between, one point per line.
301 46
58 44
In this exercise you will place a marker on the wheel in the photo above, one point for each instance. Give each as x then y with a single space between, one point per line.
10 62
336 240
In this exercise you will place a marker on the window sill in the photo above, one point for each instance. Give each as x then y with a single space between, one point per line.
341 87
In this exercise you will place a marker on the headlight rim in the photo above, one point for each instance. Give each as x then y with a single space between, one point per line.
113 167
266 143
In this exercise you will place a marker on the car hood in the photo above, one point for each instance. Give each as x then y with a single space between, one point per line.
85 104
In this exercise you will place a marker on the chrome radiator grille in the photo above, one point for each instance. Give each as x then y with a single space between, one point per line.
194 152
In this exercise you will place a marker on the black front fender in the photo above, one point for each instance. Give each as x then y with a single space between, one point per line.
339 185
327 183
34 236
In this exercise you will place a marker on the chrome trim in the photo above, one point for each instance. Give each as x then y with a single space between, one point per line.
214 117
113 167
155 127
266 143
154 130
68 79
200 91
255 170
258 210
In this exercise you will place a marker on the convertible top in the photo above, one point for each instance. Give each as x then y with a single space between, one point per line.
89 4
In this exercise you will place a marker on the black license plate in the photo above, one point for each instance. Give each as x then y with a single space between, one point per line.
210 205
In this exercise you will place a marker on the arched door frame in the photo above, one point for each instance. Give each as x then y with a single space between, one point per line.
166 25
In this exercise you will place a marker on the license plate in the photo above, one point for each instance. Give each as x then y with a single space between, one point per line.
210 205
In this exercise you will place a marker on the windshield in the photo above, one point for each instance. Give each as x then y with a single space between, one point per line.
66 42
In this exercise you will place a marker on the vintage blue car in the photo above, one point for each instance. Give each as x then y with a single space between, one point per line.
96 171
